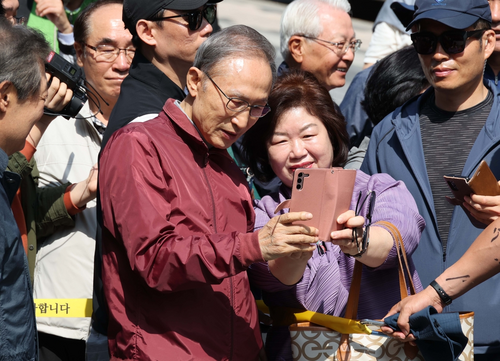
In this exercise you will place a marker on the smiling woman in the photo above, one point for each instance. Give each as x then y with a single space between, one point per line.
305 130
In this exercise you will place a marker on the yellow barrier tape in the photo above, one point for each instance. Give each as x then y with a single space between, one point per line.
339 324
63 307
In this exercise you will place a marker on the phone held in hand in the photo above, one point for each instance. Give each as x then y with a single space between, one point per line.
483 182
326 193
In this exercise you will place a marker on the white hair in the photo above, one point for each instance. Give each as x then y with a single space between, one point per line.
302 17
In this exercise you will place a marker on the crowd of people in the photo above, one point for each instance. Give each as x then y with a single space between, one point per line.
137 201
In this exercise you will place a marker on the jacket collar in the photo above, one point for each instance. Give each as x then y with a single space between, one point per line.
146 72
172 112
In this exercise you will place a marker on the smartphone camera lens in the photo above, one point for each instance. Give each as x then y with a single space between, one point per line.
452 185
301 174
299 180
299 186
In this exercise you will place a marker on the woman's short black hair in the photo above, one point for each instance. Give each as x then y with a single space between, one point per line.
295 89
394 80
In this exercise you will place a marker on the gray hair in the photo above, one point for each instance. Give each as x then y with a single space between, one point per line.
237 40
302 17
21 50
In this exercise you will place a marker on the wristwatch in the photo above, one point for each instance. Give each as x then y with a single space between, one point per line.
442 294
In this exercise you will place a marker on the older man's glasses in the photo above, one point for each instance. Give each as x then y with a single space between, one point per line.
239 105
106 53
339 48
195 18
452 41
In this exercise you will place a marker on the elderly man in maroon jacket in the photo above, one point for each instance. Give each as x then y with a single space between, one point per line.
178 217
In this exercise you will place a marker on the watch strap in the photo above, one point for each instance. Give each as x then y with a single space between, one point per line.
442 294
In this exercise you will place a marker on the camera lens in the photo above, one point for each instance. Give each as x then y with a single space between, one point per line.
452 185
299 180
301 174
299 186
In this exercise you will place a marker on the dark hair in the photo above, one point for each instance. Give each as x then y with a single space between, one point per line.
21 50
81 28
295 89
393 80
136 40
2 10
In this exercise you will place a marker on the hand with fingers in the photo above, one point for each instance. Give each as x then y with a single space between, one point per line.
58 94
485 209
409 306
57 97
83 192
346 238
281 237
287 245
54 11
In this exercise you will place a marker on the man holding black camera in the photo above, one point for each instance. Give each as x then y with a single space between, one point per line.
67 152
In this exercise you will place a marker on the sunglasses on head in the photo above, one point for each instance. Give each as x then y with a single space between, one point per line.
195 17
452 41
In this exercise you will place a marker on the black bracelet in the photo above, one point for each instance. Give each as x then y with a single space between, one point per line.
442 294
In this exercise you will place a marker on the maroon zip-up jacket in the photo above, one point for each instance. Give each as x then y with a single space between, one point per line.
177 239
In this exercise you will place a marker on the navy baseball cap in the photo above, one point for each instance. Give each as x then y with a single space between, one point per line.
135 10
457 14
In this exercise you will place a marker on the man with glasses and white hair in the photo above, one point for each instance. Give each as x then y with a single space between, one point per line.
317 36
178 217
68 152
167 34
449 129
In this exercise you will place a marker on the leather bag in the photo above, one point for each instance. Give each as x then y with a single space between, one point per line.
311 341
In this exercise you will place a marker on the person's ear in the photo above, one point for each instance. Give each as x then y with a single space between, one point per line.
194 81
5 95
296 48
489 39
80 53
146 32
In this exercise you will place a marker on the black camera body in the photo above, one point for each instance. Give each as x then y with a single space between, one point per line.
66 72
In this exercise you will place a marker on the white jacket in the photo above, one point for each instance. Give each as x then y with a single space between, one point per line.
64 265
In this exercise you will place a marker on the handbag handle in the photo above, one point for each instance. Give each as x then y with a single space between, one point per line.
353 300
351 312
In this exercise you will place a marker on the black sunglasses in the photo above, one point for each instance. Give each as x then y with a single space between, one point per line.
195 17
452 41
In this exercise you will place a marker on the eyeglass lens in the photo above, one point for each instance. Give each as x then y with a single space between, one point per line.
453 42
195 18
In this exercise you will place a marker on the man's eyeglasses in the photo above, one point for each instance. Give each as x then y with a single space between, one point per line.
339 48
108 53
452 41
239 105
195 17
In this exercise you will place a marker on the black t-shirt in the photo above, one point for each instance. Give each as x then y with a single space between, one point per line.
447 139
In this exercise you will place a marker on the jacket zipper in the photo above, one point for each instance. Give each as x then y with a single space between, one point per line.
231 293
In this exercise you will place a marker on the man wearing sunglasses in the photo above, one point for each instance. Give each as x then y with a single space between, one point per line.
178 217
448 130
167 34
